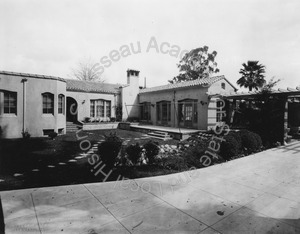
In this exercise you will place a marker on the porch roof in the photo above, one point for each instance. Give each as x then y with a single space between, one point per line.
288 92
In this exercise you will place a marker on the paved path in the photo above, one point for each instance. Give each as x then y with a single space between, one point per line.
255 194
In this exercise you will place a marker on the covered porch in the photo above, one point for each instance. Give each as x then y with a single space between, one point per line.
275 113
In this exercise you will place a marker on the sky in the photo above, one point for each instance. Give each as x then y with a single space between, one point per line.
52 37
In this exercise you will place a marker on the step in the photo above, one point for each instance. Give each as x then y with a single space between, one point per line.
158 135
161 138
160 132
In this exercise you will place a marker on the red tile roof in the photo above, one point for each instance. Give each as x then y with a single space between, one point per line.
92 87
199 82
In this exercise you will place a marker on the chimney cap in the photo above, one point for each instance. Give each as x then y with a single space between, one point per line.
132 72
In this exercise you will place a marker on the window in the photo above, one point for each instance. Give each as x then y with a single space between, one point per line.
61 104
221 115
108 109
92 108
188 112
46 132
48 103
10 102
163 110
146 111
223 85
100 108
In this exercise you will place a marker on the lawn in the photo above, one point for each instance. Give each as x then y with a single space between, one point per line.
39 162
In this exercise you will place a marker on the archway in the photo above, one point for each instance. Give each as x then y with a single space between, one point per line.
72 114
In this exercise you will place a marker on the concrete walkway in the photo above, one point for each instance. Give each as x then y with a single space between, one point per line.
254 194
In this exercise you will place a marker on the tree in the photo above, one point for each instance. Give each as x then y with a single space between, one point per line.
86 70
268 87
196 64
252 75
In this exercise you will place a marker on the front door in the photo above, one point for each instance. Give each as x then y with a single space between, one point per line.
188 115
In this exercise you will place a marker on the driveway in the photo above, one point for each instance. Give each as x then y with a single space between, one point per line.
255 194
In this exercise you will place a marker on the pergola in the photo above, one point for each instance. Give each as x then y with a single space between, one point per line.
289 95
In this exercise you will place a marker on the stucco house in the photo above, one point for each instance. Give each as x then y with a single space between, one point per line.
42 104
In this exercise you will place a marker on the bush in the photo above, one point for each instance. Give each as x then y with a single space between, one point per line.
258 140
152 150
249 141
87 119
26 134
192 154
52 135
173 162
229 147
109 149
134 153
238 139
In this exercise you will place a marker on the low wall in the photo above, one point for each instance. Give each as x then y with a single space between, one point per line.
99 126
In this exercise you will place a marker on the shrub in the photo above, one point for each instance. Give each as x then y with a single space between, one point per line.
229 147
238 139
173 162
26 134
109 149
52 135
87 119
258 140
249 141
134 153
152 150
192 154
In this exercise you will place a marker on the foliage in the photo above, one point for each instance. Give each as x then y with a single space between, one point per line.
250 142
134 153
238 139
118 113
196 64
267 87
229 147
173 161
86 70
26 134
52 135
87 119
152 150
252 75
109 149
258 140
192 154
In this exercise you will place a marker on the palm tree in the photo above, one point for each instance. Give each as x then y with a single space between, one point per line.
252 75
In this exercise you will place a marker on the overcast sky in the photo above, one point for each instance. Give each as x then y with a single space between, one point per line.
51 37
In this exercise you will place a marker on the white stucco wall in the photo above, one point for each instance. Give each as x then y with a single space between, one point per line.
35 120
130 99
83 101
206 107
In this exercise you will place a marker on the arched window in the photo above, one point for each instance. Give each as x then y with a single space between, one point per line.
10 102
48 103
61 104
223 85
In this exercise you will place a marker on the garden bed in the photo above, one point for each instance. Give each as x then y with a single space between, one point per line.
40 162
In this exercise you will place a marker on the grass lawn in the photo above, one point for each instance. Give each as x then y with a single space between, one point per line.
39 162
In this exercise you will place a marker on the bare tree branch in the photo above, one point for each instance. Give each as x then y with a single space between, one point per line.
86 70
